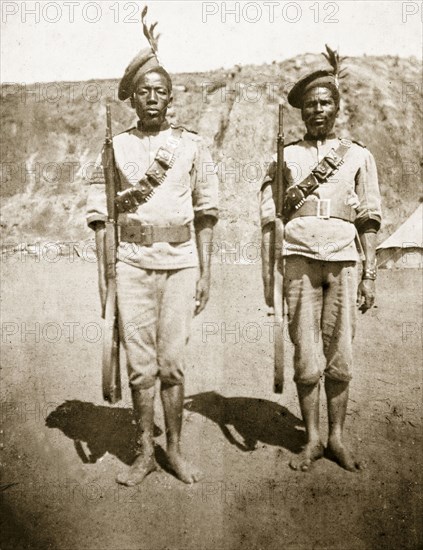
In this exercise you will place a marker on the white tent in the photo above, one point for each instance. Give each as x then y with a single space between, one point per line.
404 248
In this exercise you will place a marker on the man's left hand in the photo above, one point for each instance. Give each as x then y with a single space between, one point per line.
202 293
366 295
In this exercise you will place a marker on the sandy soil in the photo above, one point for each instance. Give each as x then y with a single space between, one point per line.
61 446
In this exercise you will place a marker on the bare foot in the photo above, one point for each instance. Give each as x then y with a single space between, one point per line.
185 471
141 467
337 452
311 452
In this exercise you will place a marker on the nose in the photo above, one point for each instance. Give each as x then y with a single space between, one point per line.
318 107
152 97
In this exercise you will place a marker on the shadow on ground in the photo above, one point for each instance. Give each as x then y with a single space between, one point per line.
244 421
101 429
253 420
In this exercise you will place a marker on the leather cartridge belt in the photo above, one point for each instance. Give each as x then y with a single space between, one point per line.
323 209
149 234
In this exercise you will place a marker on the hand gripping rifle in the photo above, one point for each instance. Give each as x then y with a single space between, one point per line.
112 391
277 262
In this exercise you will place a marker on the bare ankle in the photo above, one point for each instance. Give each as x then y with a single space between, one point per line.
335 436
173 448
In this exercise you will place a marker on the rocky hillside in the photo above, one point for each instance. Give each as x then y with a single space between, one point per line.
52 132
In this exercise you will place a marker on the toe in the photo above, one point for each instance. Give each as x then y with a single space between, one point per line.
121 478
293 465
305 466
197 476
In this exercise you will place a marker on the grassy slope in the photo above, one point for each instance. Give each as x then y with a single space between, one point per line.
240 122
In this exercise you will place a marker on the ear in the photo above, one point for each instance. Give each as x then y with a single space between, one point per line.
131 99
170 100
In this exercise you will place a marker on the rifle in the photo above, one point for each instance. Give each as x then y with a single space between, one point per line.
277 263
112 390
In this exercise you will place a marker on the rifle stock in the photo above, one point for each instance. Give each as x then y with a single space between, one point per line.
276 262
112 391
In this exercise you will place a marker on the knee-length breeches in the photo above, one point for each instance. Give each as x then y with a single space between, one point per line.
155 312
321 298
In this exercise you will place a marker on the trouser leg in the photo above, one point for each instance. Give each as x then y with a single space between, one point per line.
176 310
138 319
304 296
339 318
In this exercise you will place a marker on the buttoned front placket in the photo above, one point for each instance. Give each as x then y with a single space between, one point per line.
319 147
151 153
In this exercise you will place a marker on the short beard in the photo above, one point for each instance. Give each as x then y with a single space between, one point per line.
322 133
153 125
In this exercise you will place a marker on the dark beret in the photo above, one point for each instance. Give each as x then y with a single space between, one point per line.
321 78
145 61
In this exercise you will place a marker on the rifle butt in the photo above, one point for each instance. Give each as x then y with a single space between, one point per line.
279 341
112 389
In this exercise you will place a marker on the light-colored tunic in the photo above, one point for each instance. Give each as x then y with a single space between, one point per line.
355 183
190 190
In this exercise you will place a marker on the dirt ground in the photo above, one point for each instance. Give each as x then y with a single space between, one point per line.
61 445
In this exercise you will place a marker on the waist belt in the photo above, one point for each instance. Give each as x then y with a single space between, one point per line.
149 234
322 209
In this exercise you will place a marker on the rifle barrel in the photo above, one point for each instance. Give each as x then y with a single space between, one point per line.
280 162
108 122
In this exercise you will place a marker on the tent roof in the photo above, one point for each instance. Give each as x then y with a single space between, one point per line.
409 234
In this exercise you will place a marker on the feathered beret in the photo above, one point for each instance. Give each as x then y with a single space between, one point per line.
145 61
321 78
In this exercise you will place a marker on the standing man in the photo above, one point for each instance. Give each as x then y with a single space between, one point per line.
332 204
168 205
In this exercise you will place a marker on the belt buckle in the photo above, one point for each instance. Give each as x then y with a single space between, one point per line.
146 234
323 213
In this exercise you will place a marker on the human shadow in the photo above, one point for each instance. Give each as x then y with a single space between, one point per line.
253 420
100 429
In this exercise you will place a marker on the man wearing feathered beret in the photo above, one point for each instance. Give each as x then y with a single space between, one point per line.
331 216
168 207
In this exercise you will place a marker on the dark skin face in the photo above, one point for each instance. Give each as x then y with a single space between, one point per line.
151 100
319 112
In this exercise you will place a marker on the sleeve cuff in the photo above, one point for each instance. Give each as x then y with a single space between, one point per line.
265 221
211 212
369 224
92 219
